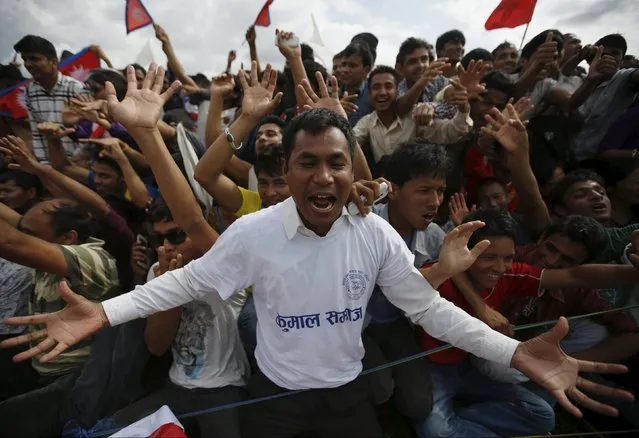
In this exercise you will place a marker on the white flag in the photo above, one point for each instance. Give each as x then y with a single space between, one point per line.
316 38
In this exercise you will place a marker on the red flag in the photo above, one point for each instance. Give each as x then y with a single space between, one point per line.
78 66
511 13
264 17
136 16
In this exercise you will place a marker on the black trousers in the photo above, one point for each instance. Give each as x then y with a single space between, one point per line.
346 411
219 424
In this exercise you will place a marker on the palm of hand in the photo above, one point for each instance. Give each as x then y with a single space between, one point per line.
74 323
456 256
548 365
510 137
139 109
257 101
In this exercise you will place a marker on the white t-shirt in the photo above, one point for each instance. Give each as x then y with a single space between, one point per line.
311 294
207 349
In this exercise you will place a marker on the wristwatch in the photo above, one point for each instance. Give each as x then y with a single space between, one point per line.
231 140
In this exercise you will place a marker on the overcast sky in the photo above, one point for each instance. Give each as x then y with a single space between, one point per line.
203 31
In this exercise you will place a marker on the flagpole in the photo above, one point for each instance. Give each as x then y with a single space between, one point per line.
524 37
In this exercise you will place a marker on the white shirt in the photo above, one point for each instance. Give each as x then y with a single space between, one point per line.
207 349
252 180
311 293
371 132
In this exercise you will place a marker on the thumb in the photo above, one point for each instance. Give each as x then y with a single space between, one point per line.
479 248
558 332
549 36
68 295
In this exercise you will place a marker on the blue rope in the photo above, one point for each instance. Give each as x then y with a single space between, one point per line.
384 366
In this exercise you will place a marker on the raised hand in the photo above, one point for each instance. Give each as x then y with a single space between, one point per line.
509 131
458 208
161 35
455 256
495 320
328 96
231 57
364 193
287 51
547 52
434 69
347 103
602 66
424 114
523 107
223 85
111 147
141 108
459 97
543 361
54 130
15 149
250 35
79 319
471 78
258 101
140 260
165 263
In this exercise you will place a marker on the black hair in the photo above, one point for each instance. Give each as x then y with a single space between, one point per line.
413 160
360 50
531 46
613 40
201 80
497 224
556 195
107 161
137 67
447 37
497 80
409 46
315 122
504 45
477 55
581 230
23 180
383 69
474 196
69 215
369 40
11 73
176 116
274 120
270 160
159 210
36 45
102 75
616 170
307 52
311 67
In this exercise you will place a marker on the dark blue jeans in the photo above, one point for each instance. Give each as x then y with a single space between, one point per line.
489 408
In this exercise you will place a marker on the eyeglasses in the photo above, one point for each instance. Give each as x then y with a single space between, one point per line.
176 236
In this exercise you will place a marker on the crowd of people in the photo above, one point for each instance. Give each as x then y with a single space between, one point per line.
221 204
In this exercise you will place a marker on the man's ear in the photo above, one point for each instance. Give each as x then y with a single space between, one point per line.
70 238
393 194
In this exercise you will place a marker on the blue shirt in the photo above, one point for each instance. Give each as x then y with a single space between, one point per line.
425 245
363 105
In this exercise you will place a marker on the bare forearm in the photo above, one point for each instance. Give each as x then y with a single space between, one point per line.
253 54
238 170
590 276
581 94
531 203
527 80
75 190
136 187
614 349
214 120
360 165
161 329
176 66
9 215
468 291
434 275
406 103
569 65
137 159
299 74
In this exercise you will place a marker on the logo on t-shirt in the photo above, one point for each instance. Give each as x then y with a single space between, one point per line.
355 284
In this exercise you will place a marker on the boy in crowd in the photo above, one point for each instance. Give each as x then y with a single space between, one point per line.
20 190
357 62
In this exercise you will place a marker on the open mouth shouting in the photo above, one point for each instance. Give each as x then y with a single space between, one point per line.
322 203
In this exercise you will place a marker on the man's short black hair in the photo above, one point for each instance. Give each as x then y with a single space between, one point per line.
531 46
556 195
102 75
108 161
307 52
414 160
360 50
270 160
36 45
382 69
477 55
159 210
274 120
69 215
315 122
504 45
409 46
23 180
176 116
497 224
449 37
369 40
580 230
614 40
497 80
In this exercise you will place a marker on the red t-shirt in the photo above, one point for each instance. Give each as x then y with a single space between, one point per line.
522 279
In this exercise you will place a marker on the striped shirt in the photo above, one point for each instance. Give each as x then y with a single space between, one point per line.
92 274
45 106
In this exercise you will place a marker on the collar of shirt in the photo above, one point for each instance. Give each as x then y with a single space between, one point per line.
398 121
293 222
419 242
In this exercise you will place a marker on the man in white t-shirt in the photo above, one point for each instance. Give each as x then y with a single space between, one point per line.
313 273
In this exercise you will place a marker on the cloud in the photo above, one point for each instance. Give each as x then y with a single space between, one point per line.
203 31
